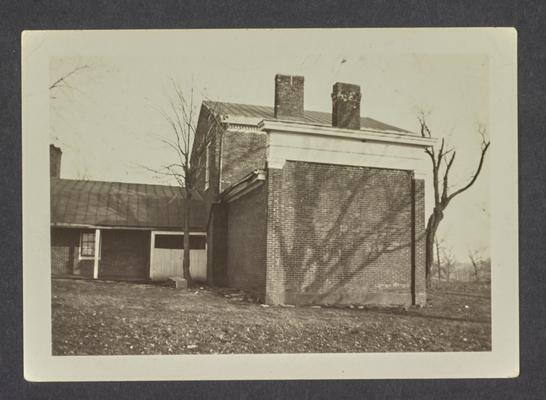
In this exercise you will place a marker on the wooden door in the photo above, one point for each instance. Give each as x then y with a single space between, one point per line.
168 255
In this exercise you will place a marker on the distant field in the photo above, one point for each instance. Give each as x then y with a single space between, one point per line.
97 317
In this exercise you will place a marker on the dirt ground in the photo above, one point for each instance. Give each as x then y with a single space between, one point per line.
98 317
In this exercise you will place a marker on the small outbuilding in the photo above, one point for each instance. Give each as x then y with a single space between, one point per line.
129 231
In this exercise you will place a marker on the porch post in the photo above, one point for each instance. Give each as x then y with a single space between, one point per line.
97 254
152 245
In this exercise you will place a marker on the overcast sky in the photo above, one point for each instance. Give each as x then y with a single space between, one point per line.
107 120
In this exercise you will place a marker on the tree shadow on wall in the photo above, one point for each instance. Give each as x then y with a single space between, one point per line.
250 155
344 223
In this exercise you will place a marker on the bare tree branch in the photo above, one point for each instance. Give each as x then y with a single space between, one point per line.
442 195
475 176
63 78
446 175
188 145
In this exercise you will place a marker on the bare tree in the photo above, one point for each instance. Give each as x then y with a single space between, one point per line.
448 263
442 159
481 265
55 91
475 260
188 146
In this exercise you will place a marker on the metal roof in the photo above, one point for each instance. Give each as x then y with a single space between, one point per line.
115 204
310 117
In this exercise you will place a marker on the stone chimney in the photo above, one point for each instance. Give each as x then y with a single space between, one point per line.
288 97
55 154
346 106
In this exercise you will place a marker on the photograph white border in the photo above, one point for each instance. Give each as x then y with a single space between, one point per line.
500 44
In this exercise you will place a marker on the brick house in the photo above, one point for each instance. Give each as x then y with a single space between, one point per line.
294 206
111 230
308 207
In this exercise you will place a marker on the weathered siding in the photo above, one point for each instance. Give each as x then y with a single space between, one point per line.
246 242
343 235
125 254
65 248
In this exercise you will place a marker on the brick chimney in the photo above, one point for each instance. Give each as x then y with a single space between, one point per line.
288 97
346 106
55 154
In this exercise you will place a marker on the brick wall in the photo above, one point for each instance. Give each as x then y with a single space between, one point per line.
125 254
198 156
342 234
346 106
217 246
277 244
55 156
246 242
420 296
65 247
289 97
242 153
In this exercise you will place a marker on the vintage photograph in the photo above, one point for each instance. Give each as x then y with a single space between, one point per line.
245 194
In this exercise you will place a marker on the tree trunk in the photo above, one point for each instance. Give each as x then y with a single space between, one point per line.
187 214
429 251
432 227
476 272
438 263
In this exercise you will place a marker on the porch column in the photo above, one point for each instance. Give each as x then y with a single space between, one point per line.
152 245
97 255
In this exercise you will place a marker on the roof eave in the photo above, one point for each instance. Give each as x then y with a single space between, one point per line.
361 135
244 186
124 227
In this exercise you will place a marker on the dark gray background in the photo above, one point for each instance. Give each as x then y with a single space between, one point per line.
527 16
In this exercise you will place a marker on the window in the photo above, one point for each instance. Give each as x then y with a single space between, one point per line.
207 167
169 241
197 242
87 244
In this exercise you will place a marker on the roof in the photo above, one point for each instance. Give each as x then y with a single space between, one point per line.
310 117
244 186
115 204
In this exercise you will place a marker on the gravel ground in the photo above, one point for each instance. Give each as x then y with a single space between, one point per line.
102 318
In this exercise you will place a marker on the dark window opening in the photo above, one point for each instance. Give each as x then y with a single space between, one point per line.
177 242
198 242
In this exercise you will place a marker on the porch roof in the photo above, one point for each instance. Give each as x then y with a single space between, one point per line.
123 205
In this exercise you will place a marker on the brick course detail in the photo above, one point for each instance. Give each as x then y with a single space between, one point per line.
242 153
246 243
344 235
